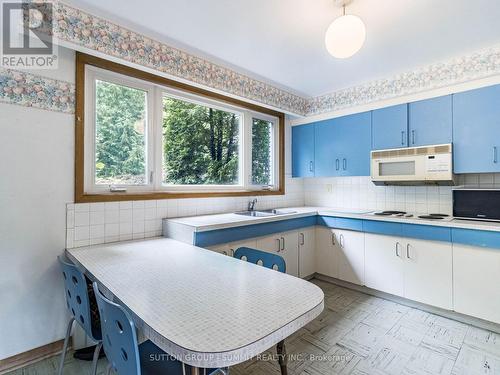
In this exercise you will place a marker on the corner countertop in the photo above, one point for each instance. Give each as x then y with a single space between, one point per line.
221 221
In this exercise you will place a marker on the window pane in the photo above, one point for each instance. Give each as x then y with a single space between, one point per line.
200 144
120 145
262 137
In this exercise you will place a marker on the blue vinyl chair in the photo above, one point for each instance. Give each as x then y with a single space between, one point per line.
268 260
274 262
78 303
125 355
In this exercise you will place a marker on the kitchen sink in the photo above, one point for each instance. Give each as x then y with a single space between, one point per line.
255 213
265 213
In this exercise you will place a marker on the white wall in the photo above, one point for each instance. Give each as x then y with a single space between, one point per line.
36 153
36 189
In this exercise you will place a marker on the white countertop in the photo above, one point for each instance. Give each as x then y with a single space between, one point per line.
221 221
208 309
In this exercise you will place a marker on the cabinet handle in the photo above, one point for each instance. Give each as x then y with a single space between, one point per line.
397 249
302 239
344 164
337 164
333 239
402 137
413 137
231 251
341 242
279 244
408 251
311 166
495 154
282 243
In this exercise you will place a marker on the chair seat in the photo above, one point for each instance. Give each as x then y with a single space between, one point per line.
155 361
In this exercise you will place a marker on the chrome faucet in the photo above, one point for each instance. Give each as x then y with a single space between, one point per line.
251 204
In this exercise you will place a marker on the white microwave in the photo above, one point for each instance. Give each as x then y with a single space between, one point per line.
413 166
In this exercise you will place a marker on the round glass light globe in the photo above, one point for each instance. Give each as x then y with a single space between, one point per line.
345 36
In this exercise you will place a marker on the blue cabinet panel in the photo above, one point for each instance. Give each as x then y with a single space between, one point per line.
474 237
218 236
326 221
427 232
476 130
303 151
383 227
350 224
355 144
430 121
326 149
390 127
340 223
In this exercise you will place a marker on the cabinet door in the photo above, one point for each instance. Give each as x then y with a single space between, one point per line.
476 280
352 256
285 245
307 256
233 246
428 272
390 127
476 130
290 252
327 253
221 249
303 151
326 149
354 144
430 121
384 263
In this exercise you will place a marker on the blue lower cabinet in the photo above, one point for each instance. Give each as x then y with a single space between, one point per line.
383 227
427 232
474 237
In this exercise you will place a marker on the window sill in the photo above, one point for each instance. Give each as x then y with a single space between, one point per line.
116 197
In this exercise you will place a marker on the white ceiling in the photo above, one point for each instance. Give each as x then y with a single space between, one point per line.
282 41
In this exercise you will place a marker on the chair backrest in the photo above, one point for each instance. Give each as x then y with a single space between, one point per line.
119 336
77 297
268 260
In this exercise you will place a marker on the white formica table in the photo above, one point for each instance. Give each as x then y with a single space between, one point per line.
207 309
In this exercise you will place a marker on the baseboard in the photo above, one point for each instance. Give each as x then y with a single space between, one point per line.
31 356
476 322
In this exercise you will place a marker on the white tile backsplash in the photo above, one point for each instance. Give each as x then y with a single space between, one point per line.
360 193
94 223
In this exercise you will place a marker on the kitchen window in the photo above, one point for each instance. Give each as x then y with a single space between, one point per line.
146 137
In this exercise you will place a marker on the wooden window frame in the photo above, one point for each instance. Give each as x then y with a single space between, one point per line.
81 196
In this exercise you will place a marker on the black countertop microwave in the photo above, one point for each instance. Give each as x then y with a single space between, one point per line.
478 204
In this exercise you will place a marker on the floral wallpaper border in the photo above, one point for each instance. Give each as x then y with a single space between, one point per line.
31 90
78 27
482 64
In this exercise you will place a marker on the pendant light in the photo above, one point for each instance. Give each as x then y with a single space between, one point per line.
346 34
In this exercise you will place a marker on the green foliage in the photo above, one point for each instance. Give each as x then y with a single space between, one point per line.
120 121
261 152
200 144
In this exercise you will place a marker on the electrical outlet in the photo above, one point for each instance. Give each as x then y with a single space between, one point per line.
329 188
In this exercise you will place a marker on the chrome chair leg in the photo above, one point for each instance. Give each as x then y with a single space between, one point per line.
108 370
97 350
65 346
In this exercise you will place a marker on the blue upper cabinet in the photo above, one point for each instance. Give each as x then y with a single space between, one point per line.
303 151
476 130
355 144
326 148
342 146
430 121
390 127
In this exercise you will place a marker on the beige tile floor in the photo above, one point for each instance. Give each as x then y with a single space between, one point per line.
360 334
